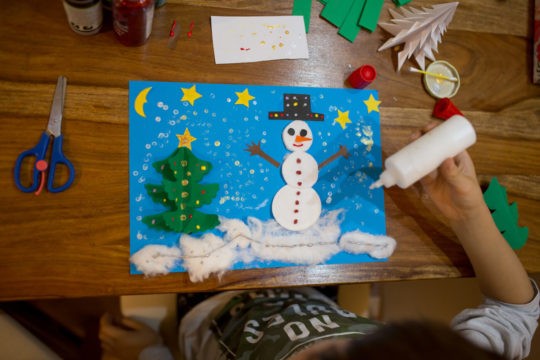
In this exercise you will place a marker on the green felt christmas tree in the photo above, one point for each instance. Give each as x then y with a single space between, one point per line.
182 194
505 215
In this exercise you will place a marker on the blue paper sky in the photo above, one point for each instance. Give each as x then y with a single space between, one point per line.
223 130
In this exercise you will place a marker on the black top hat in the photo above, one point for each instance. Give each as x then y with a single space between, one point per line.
297 107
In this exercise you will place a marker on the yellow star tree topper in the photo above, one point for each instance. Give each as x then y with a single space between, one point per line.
190 95
244 97
185 139
372 104
343 118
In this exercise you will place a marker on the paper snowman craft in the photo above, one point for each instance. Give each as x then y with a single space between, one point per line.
297 206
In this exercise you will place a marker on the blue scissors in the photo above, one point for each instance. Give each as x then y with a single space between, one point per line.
39 152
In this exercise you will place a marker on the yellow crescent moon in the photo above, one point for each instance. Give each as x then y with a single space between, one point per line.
140 100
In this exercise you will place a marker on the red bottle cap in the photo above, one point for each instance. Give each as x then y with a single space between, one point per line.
445 109
362 76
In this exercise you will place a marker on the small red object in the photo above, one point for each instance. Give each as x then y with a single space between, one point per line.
173 26
190 32
41 166
445 109
362 77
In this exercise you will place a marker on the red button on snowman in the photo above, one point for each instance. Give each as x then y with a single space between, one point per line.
297 206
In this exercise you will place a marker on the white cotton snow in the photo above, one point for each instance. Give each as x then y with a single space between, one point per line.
207 255
311 246
377 246
212 254
156 259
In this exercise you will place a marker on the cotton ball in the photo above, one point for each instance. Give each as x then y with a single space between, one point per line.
377 246
156 259
207 255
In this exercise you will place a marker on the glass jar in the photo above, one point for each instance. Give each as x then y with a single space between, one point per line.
132 21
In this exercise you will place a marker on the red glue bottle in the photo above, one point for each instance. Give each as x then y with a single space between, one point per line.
133 21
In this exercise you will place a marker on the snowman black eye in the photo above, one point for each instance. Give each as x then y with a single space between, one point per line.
290 131
303 132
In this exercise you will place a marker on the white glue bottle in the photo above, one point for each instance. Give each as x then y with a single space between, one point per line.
426 153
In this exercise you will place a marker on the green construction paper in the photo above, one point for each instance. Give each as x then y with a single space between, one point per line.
194 222
370 14
335 11
350 28
181 193
324 2
303 8
504 215
158 195
401 2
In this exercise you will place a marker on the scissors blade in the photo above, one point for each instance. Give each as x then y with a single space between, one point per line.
57 109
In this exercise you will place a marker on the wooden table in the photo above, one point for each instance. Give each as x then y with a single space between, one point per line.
76 243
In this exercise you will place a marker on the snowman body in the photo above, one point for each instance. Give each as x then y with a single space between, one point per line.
297 206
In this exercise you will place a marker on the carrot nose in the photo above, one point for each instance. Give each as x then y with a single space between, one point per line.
302 138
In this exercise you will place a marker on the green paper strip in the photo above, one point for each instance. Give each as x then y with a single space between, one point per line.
335 11
303 8
370 14
350 28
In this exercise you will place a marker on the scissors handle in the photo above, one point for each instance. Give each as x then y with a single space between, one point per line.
57 157
39 152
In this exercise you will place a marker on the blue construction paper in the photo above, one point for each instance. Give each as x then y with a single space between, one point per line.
223 130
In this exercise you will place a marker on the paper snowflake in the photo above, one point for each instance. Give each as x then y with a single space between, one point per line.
420 30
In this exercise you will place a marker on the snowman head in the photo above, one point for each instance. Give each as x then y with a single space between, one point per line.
297 136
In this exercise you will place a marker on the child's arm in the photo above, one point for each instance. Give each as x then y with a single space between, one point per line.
454 189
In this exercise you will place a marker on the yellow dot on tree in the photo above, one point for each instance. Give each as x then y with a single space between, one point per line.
198 227
183 217
197 202
185 194
183 163
203 168
185 182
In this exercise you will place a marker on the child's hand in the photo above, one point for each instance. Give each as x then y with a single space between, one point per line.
127 339
454 188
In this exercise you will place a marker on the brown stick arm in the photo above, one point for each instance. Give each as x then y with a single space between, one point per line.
255 149
341 152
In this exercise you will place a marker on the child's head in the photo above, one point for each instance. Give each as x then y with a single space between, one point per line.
411 340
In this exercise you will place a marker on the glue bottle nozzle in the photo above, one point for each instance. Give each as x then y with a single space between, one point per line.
377 184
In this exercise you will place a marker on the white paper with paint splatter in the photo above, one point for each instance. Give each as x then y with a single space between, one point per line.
241 39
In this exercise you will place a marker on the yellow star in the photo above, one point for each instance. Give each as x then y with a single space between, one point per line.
190 94
185 139
244 97
343 118
372 104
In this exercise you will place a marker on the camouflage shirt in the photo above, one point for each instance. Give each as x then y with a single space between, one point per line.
275 324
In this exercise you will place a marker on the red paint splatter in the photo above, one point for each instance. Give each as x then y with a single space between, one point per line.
244 49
